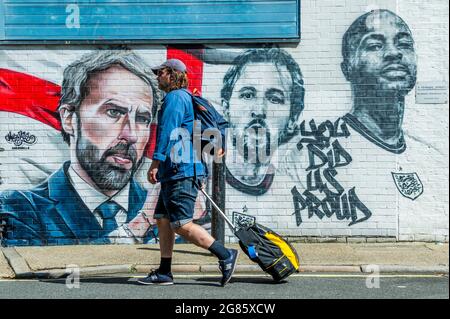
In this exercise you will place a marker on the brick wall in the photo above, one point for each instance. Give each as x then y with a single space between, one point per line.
361 157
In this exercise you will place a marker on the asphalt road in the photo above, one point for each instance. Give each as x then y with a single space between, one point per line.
242 286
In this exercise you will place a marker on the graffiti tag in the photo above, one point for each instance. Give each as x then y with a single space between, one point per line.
20 138
324 195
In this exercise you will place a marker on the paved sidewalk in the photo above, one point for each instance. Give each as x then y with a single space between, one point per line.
51 262
5 269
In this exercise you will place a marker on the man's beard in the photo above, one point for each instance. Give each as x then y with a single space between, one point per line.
257 143
106 175
164 86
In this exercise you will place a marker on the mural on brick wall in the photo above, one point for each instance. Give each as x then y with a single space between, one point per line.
106 105
324 195
346 170
74 180
380 63
263 114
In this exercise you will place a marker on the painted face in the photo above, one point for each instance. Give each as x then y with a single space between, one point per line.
114 128
259 106
385 57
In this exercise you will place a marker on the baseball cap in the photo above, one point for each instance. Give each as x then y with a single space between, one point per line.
171 63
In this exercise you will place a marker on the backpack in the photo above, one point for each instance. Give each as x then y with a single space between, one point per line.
269 250
212 124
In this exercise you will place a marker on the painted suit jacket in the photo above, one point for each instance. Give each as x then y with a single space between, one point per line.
54 214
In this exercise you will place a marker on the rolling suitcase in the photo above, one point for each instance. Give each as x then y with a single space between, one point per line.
263 246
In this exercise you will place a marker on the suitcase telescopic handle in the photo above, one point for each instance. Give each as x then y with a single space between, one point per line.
220 211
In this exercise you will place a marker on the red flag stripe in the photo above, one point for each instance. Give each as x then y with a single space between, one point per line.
195 73
30 96
193 64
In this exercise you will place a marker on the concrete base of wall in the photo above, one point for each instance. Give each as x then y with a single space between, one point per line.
358 240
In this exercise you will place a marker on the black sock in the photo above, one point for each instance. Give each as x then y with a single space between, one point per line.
219 250
165 265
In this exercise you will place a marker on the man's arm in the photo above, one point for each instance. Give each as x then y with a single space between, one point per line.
172 118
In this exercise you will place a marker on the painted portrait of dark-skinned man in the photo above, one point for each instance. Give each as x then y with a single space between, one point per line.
380 62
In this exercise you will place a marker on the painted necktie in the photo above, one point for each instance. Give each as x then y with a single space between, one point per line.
108 211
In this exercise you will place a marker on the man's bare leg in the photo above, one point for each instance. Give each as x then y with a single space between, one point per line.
196 235
166 237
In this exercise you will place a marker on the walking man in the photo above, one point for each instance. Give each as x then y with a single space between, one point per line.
173 166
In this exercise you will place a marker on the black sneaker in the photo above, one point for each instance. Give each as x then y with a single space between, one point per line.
228 266
155 278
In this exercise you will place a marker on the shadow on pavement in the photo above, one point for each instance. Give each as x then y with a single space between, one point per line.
246 280
125 281
102 280
181 251
204 281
